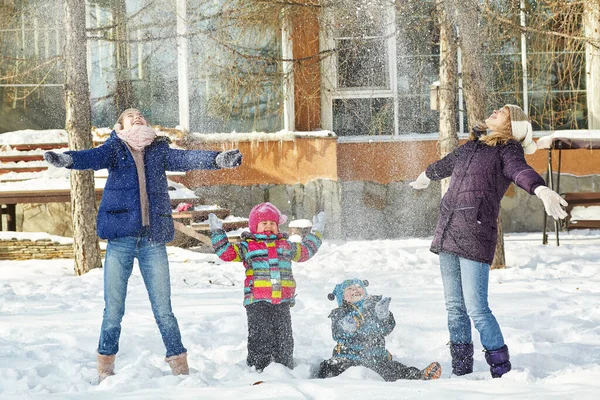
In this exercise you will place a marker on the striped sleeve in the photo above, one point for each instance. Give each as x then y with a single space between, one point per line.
226 250
307 248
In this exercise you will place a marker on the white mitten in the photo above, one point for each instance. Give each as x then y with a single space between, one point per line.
214 223
422 182
348 324
382 308
552 202
318 224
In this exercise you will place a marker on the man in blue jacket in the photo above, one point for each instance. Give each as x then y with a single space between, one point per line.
135 217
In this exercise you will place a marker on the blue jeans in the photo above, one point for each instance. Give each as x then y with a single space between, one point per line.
154 267
466 295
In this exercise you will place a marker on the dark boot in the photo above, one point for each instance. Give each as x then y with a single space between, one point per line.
498 361
462 358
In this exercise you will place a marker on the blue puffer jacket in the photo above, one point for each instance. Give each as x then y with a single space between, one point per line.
120 212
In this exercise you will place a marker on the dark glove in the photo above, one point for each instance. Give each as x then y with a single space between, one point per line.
59 160
382 308
229 159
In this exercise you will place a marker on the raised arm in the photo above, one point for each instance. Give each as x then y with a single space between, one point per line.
187 160
443 168
515 168
437 171
226 250
100 157
306 249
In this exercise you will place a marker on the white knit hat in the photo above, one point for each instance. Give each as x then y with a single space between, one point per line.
521 128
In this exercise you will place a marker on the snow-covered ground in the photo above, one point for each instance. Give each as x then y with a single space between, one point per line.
547 302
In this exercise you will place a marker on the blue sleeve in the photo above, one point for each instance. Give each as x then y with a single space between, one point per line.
187 160
97 158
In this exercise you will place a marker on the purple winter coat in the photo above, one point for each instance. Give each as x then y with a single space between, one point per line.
480 175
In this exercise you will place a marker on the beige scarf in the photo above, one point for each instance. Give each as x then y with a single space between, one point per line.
138 137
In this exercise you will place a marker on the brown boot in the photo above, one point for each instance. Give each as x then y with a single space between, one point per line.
106 366
432 371
178 364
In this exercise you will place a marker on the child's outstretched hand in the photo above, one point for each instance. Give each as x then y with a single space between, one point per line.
348 324
229 159
382 308
318 222
214 223
59 160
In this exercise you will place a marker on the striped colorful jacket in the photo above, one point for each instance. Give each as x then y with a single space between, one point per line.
268 262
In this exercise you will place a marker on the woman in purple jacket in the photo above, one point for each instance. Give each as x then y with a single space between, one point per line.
465 237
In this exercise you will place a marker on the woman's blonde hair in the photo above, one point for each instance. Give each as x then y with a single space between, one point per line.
504 133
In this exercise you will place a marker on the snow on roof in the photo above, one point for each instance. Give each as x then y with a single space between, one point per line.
579 135
258 136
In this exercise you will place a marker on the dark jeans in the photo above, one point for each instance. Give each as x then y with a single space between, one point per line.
269 335
389 370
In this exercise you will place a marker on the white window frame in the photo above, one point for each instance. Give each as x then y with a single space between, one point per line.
329 75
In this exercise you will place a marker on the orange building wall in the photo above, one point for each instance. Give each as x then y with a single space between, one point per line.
386 162
271 162
307 78
309 158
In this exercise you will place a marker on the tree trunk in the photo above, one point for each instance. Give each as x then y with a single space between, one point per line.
448 85
124 95
475 84
78 125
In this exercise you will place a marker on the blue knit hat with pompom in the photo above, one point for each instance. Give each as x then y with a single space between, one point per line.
338 292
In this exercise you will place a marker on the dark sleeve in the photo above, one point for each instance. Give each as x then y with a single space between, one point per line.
515 168
187 160
97 158
443 168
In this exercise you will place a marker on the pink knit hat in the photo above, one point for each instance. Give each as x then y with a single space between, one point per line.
264 212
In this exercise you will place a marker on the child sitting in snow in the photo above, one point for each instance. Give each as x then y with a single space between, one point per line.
269 287
359 326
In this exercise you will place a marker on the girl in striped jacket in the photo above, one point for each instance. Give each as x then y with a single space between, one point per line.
269 287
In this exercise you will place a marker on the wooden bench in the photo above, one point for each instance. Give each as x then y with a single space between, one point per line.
579 199
569 140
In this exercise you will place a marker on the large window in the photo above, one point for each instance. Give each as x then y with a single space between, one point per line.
537 70
387 56
361 76
556 66
234 80
31 71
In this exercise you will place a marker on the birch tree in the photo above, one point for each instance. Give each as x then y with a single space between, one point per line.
78 125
